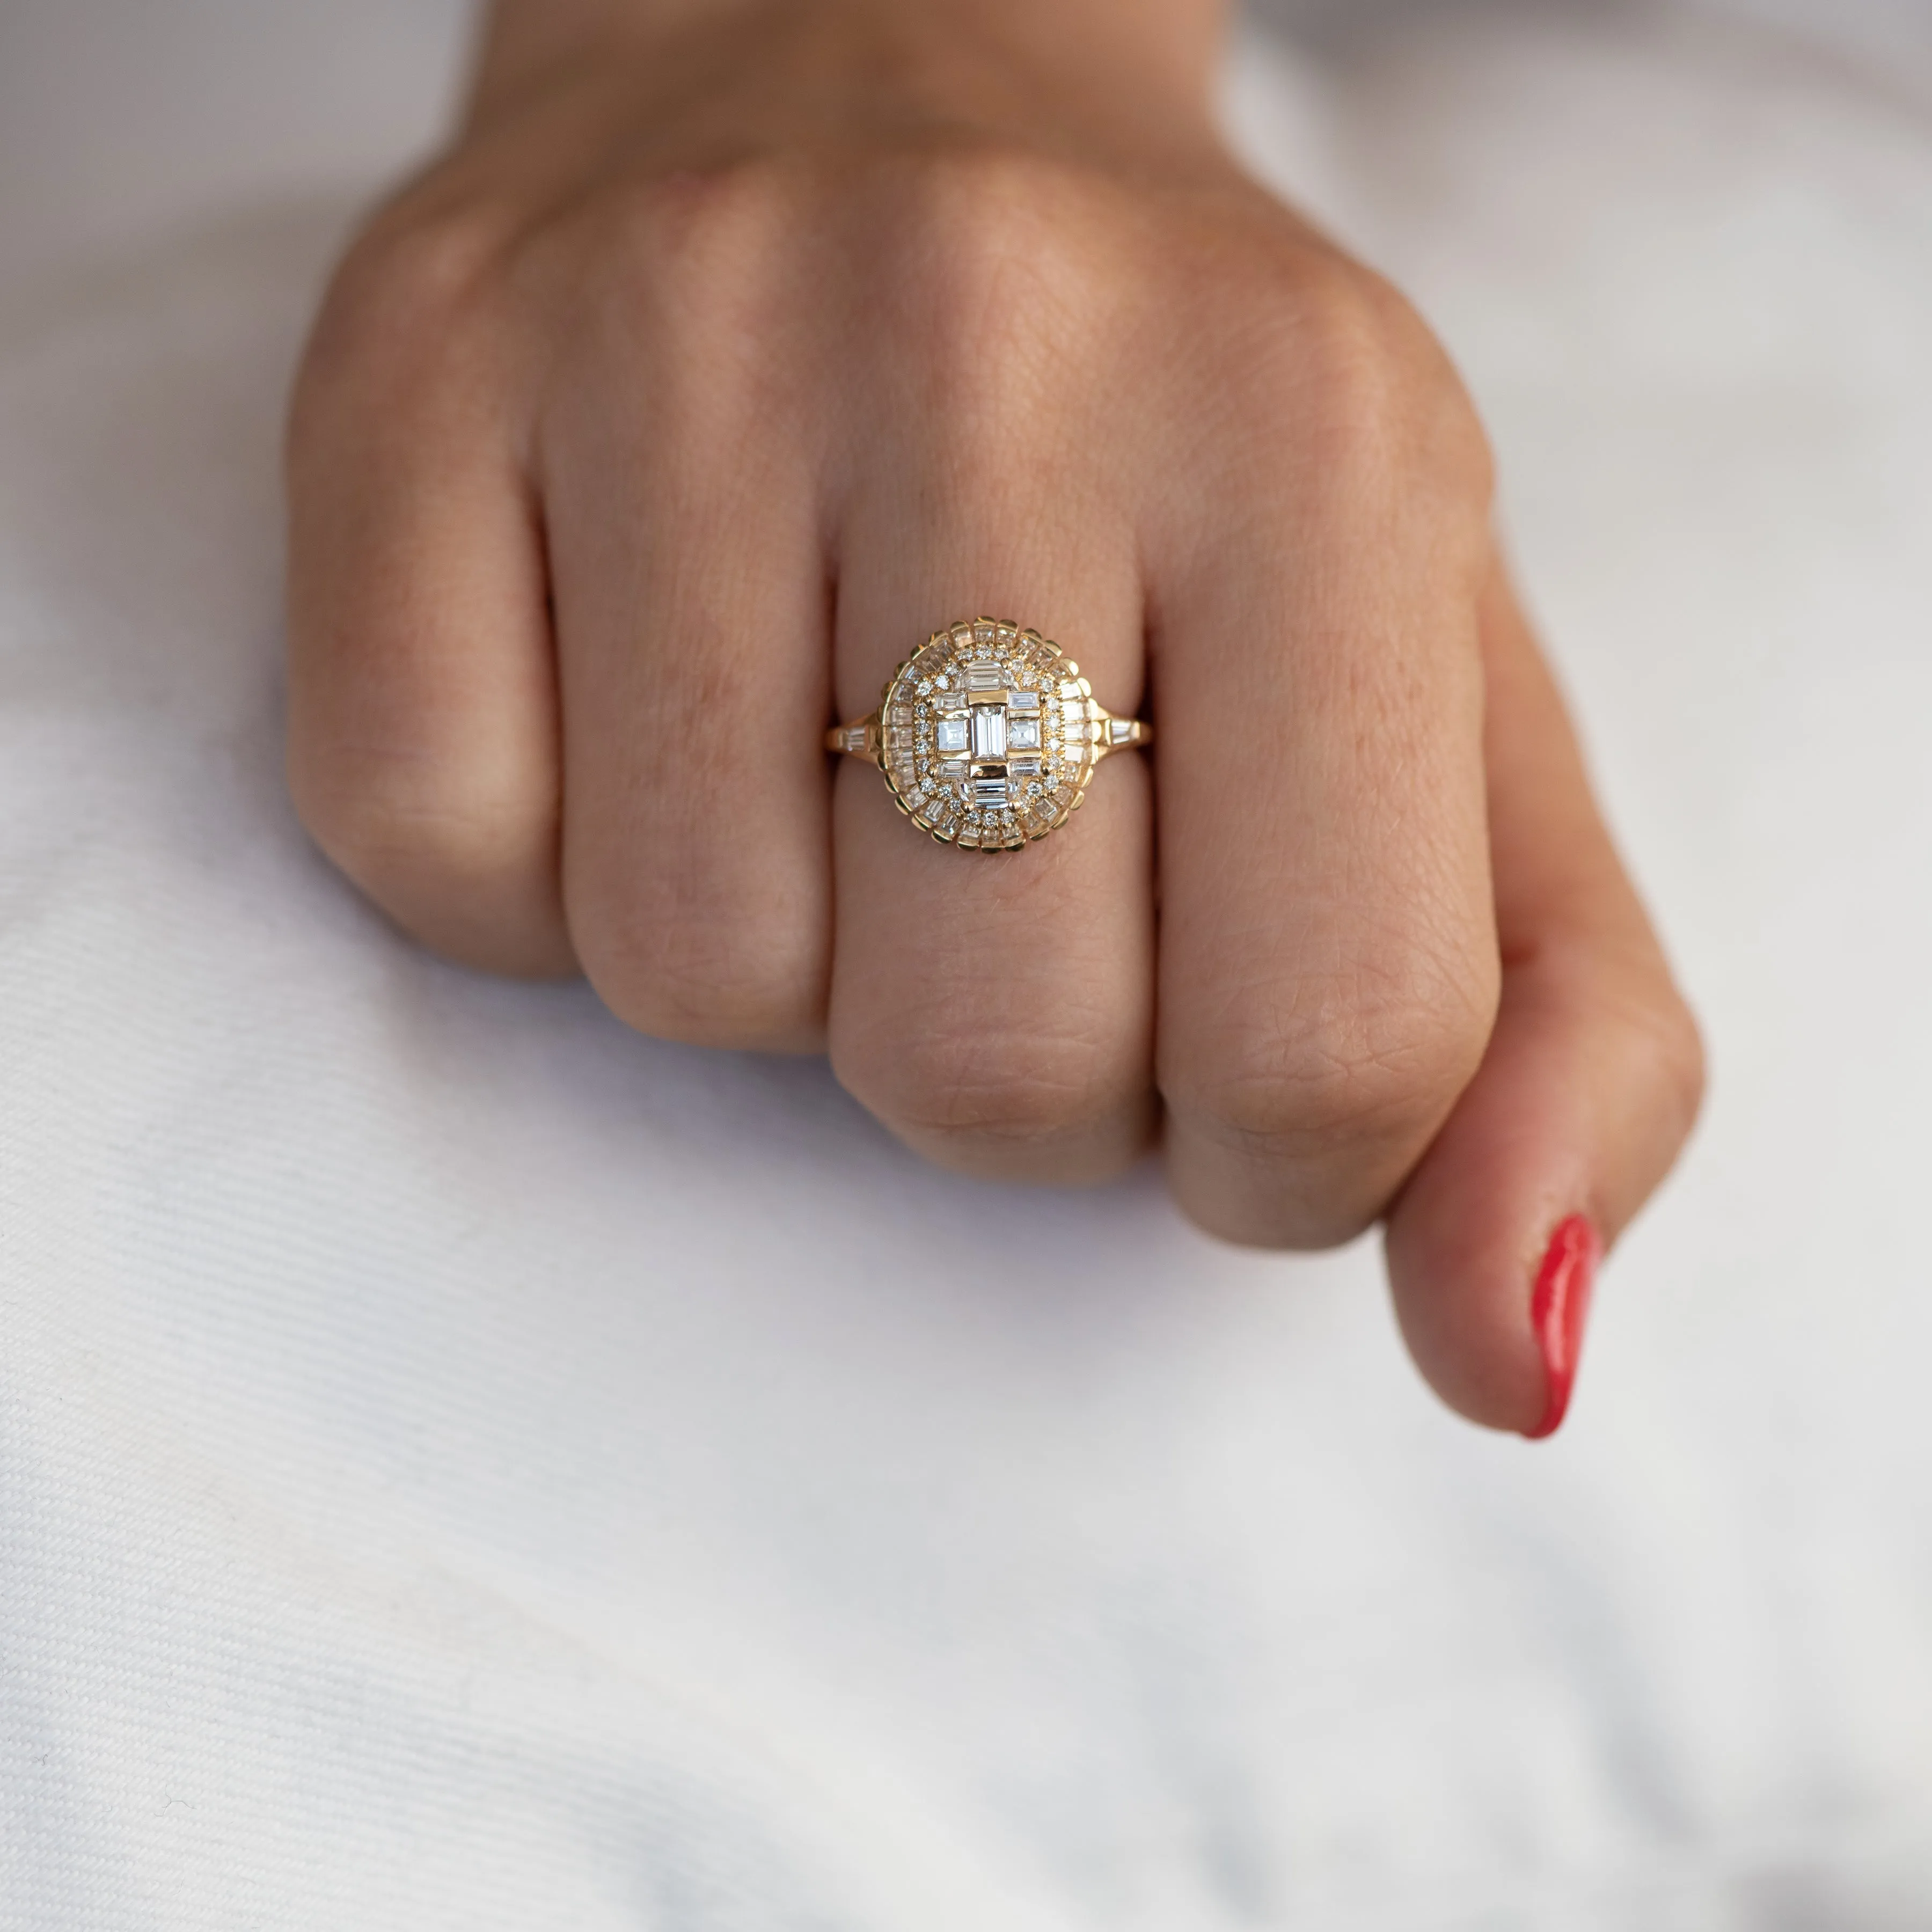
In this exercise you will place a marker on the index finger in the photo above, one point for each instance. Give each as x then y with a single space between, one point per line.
1328 969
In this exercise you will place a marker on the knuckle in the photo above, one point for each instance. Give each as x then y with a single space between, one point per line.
1335 351
1389 396
730 207
1001 267
696 252
1664 1041
979 217
1006 1088
406 829
692 275
683 957
1683 1066
408 284
1360 1069
407 311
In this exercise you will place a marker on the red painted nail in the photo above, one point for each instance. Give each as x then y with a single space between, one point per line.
1557 1308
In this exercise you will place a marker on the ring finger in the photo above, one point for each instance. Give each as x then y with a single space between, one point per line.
995 1011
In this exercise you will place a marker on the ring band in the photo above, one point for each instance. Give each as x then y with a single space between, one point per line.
988 736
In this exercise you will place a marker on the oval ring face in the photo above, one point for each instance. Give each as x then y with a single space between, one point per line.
985 736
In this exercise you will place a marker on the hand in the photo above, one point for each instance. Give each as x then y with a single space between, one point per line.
735 347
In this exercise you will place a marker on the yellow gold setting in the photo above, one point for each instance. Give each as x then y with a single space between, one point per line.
988 736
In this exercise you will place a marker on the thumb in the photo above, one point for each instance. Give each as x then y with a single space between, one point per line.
1592 1080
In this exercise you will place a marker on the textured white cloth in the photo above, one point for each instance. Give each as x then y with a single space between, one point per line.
462 1466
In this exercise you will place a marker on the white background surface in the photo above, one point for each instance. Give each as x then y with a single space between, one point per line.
463 1466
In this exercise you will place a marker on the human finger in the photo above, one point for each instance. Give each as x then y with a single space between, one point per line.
1590 1085
995 1009
1328 966
692 621
422 734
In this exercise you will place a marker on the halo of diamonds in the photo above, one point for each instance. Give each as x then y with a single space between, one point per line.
987 735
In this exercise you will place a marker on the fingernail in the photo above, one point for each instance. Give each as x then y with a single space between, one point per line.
1557 1308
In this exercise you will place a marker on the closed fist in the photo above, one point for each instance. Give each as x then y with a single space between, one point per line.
731 351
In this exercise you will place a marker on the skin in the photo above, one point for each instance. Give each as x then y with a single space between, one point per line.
733 346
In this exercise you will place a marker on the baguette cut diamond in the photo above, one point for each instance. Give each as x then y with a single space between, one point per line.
989 731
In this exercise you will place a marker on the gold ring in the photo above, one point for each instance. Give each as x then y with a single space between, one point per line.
988 736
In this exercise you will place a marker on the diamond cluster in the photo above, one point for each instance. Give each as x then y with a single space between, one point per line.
986 735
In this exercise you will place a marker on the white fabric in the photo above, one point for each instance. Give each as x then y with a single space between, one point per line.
465 1467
